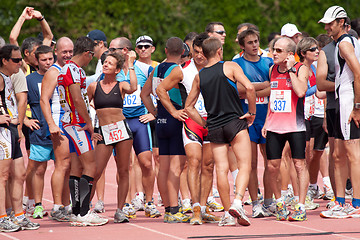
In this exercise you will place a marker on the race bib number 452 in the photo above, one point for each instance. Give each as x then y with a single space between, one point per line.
280 101
115 132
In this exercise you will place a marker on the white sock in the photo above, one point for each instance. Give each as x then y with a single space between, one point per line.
279 200
326 181
140 195
203 209
68 207
227 214
196 204
235 173
237 202
56 207
31 202
301 206
296 198
284 192
25 199
314 185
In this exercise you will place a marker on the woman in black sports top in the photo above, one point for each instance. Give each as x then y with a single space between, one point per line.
108 95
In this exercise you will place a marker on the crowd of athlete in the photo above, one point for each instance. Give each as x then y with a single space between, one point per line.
192 113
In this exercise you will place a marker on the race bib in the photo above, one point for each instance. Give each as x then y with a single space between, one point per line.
280 101
133 100
200 106
259 100
309 108
156 82
114 132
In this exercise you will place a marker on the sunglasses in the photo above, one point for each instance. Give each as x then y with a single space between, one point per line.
92 53
278 50
114 49
16 60
220 32
313 49
143 46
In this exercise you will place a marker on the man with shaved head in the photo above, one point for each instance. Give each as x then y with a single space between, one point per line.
50 106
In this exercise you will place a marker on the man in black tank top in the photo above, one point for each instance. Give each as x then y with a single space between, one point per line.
226 122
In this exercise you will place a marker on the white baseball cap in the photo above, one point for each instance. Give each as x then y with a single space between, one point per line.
289 30
144 40
333 13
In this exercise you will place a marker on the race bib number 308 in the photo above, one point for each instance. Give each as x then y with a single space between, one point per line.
280 101
115 132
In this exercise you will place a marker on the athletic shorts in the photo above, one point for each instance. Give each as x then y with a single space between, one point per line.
9 143
26 133
141 135
41 153
169 133
98 130
314 129
330 122
227 133
154 139
79 141
194 133
255 134
343 129
275 143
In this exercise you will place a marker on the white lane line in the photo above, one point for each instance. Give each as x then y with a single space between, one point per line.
8 236
316 230
161 233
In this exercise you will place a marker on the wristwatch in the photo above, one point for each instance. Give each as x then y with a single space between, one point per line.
292 69
357 105
131 68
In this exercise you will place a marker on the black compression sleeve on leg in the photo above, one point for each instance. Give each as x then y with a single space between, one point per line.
75 194
85 187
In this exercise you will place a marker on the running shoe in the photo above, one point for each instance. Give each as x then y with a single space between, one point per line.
138 203
166 217
26 224
248 201
30 208
281 212
269 210
196 217
6 225
298 214
328 193
227 221
99 207
331 203
351 211
237 211
257 211
120 217
216 192
288 199
151 211
38 212
313 192
186 206
214 205
208 217
59 215
348 193
337 211
309 204
91 219
129 210
179 217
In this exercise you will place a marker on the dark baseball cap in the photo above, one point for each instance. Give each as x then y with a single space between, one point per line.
97 35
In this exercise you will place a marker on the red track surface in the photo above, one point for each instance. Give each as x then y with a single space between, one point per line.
144 228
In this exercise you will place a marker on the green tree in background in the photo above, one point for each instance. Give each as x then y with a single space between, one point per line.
162 19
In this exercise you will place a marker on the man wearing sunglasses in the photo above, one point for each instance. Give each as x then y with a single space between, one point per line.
216 29
11 161
347 113
285 122
79 130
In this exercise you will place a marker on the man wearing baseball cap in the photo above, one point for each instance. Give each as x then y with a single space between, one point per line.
99 39
347 114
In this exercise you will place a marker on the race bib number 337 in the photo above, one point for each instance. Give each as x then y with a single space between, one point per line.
115 132
280 101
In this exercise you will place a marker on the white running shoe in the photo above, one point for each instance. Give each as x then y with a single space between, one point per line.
120 217
186 206
337 211
91 219
214 205
313 192
151 211
99 207
138 203
227 221
237 210
257 211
